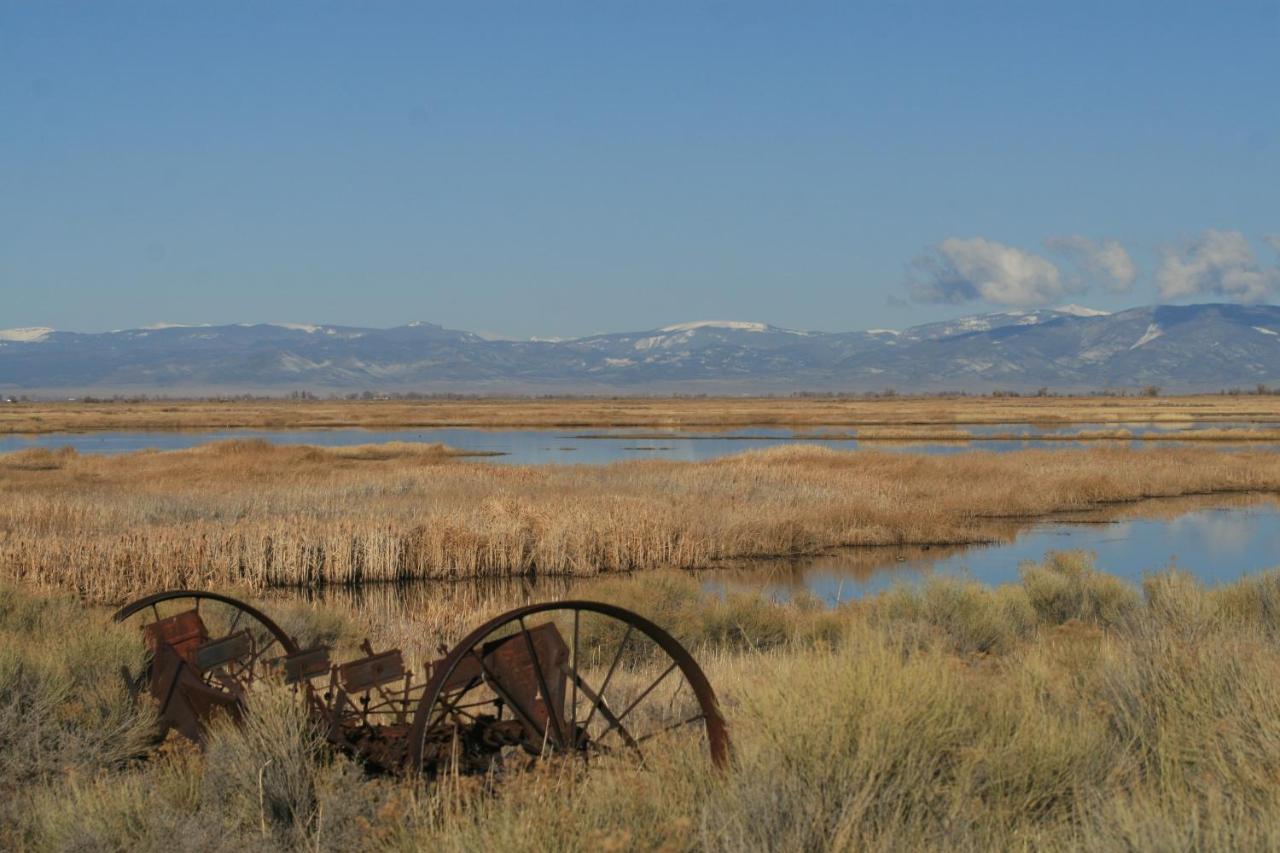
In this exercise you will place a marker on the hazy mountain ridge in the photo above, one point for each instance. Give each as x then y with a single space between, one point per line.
1195 347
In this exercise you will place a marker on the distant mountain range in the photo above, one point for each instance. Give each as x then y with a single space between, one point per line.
1179 348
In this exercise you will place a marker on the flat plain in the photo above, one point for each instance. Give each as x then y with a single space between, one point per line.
255 515
1067 710
646 412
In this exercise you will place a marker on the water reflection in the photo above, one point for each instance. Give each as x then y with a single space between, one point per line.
1217 540
423 596
1216 544
538 447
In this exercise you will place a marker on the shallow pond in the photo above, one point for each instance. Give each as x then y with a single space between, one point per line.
516 446
536 447
1216 543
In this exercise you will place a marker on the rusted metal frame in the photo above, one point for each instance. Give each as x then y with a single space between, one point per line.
236 621
228 649
405 697
554 723
604 712
228 678
695 718
225 681
301 667
492 681
198 595
448 705
387 703
479 703
252 665
718 739
573 705
173 683
248 668
316 702
638 700
608 677
337 728
461 710
131 684
330 709
338 709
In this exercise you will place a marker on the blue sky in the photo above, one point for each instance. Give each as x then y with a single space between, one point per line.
561 169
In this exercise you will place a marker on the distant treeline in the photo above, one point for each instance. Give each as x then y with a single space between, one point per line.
371 396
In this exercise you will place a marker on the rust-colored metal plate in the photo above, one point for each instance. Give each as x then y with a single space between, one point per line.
183 631
217 653
516 671
481 699
305 664
367 673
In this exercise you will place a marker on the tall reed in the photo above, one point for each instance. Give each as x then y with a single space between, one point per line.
256 515
642 412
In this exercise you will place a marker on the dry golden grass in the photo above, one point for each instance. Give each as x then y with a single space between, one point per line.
1188 431
635 412
1068 711
251 514
1180 434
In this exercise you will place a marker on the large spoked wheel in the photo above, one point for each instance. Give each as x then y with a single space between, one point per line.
577 679
205 651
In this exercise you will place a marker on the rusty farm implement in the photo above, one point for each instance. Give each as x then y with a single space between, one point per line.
562 679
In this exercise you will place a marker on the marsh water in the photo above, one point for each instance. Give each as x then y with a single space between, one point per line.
1217 542
597 446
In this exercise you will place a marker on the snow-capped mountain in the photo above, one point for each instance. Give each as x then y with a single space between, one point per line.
30 335
1196 347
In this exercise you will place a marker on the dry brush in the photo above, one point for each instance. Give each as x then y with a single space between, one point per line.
250 514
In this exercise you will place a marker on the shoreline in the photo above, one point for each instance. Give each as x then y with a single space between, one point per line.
256 515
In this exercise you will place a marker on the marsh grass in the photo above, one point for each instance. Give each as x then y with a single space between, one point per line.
639 412
1067 711
249 514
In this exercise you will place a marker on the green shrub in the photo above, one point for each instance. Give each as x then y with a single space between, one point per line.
970 616
1066 586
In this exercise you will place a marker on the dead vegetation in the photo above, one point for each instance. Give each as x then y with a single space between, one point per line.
645 412
257 515
1069 711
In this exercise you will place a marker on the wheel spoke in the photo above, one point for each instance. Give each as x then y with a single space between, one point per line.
573 705
496 731
236 621
459 710
605 712
695 718
638 700
448 703
608 677
253 657
492 681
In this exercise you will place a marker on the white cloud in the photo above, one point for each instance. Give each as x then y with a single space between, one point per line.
1273 240
1107 261
1221 263
959 270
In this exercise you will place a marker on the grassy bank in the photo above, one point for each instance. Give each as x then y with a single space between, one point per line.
1068 711
648 412
250 514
